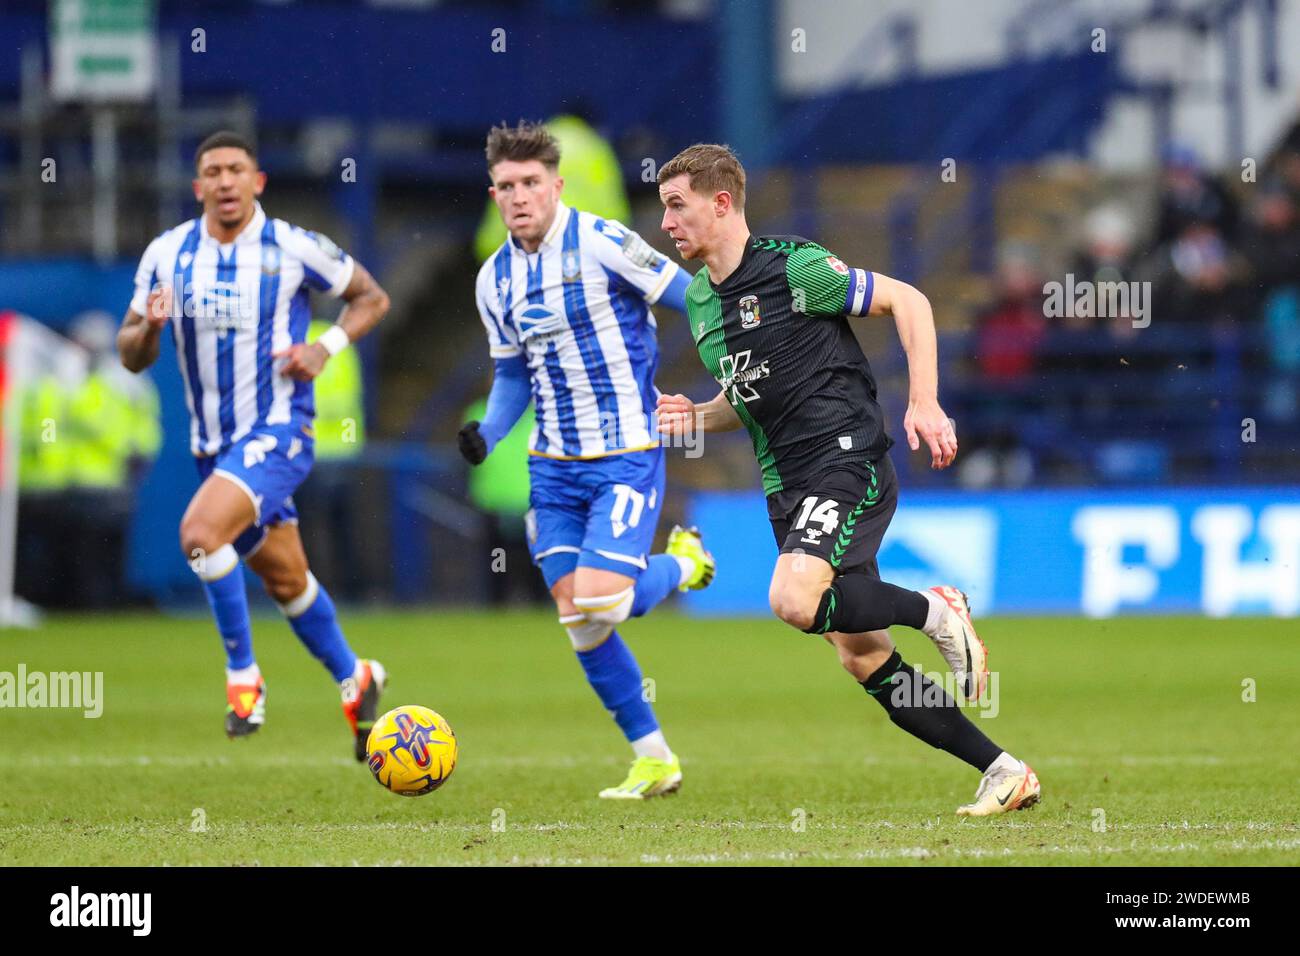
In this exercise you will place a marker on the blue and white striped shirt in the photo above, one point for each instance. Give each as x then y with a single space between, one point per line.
579 310
233 306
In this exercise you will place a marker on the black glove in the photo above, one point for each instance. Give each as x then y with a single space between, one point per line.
473 446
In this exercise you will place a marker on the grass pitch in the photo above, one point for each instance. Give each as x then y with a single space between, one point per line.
1147 752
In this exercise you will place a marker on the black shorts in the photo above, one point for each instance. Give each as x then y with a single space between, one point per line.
840 517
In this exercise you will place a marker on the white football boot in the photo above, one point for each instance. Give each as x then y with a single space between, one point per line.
1002 790
959 644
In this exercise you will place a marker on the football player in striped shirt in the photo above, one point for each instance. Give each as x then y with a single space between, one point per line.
233 287
768 315
566 304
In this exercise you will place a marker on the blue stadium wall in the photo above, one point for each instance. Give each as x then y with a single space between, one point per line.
1216 551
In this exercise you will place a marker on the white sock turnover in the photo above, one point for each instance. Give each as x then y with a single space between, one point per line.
244 676
652 744
938 607
1007 763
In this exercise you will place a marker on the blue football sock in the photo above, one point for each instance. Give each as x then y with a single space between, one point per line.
616 678
656 582
223 583
312 617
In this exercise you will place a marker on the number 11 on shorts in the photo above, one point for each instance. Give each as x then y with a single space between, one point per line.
623 496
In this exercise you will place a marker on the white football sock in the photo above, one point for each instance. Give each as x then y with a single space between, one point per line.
687 566
938 606
244 676
652 745
1006 763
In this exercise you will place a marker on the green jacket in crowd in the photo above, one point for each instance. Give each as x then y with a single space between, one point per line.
500 484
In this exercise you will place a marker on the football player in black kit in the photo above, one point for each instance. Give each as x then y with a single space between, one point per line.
768 315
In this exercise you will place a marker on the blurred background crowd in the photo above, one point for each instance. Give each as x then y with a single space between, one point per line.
982 152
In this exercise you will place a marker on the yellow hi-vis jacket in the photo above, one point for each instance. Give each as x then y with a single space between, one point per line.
340 411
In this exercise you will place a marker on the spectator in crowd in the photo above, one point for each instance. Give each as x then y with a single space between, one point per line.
1285 164
1271 245
1009 335
1087 340
498 488
329 493
1272 254
1109 245
1198 284
45 532
1011 330
89 430
1191 197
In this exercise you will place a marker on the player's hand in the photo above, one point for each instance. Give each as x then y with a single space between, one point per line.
158 307
675 415
927 420
473 446
306 360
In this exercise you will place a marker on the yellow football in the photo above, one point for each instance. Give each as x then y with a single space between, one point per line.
411 750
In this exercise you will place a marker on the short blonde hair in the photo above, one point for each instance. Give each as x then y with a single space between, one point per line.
711 168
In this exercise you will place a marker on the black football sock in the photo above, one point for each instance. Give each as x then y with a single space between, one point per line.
855 603
925 710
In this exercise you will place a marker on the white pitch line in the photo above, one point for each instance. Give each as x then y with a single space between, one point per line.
678 826
552 762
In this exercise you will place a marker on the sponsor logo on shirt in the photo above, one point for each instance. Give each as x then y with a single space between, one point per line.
640 253
738 376
327 246
837 265
538 324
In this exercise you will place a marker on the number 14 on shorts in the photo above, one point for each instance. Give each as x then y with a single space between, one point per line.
826 514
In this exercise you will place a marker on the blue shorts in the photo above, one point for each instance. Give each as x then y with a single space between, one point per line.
269 463
594 514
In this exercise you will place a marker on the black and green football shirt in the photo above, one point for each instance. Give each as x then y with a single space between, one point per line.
775 336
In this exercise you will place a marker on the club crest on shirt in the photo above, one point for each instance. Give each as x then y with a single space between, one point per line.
270 260
749 315
571 266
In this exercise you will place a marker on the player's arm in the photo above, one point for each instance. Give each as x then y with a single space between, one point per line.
512 388
676 413
366 304
914 320
507 401
822 285
138 339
